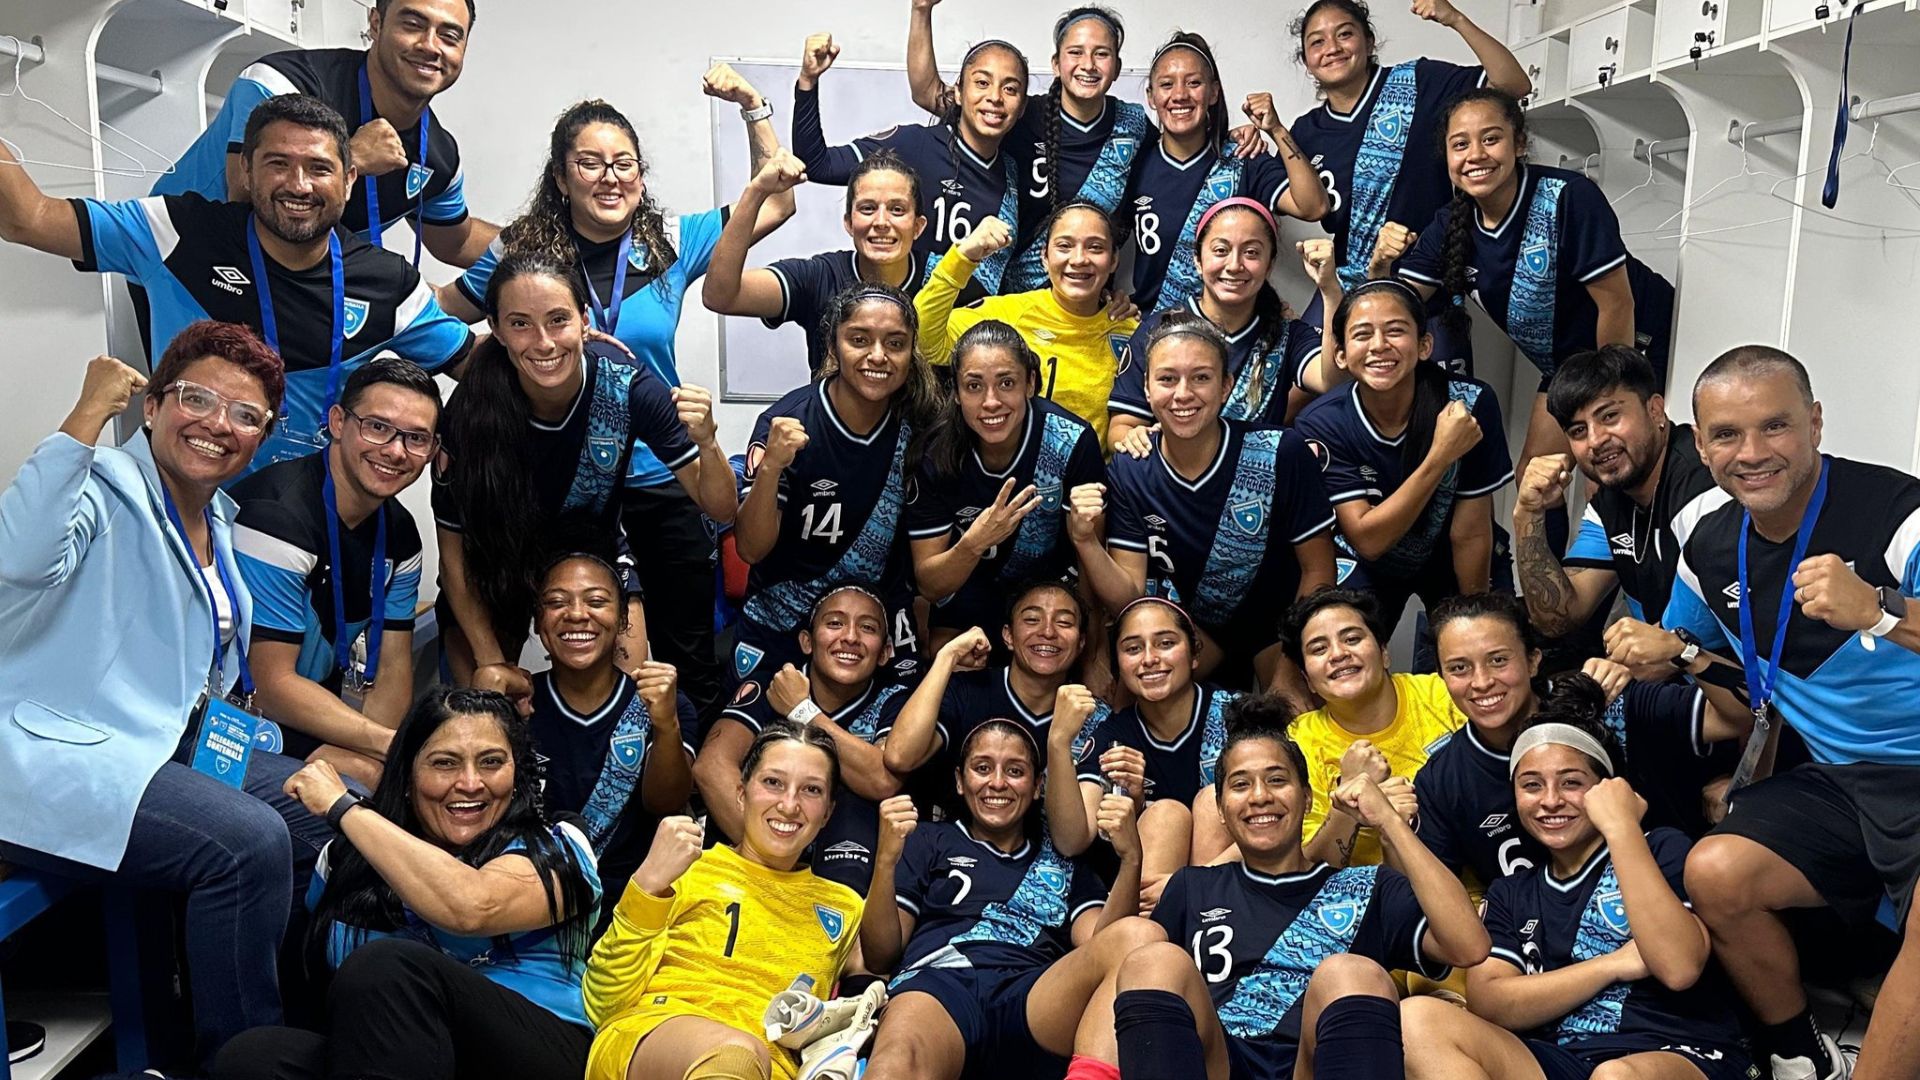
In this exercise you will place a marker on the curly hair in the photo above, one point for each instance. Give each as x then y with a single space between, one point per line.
237 345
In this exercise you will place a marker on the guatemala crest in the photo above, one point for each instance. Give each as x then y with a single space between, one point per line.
1613 910
417 177
1534 255
1052 878
745 657
1248 516
1339 918
604 451
356 315
832 921
629 749
267 736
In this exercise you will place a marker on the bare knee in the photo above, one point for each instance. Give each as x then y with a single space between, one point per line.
1627 1068
1428 1021
1166 817
1161 965
1721 875
1346 975
1122 938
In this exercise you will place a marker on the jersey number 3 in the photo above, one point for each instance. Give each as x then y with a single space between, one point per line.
1209 945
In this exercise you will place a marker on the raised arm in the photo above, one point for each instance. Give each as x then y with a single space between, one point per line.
886 927
1373 530
1317 257
915 732
1558 599
708 478
666 781
941 568
458 245
1455 935
1068 818
32 217
626 956
1672 940
757 528
825 164
52 511
1305 197
1503 70
935 300
763 144
863 766
729 287
929 90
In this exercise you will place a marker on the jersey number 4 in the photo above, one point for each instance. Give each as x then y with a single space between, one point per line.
826 527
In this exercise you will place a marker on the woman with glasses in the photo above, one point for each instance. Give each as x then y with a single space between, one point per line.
593 209
333 562
124 626
537 441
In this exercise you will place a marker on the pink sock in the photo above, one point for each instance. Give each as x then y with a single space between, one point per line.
1086 1068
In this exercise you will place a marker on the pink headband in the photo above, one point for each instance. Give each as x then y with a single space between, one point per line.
1255 205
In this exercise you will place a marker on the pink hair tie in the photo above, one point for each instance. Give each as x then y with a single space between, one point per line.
1255 205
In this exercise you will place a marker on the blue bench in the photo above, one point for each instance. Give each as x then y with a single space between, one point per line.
26 895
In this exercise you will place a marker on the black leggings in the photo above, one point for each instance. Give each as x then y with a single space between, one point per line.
401 1010
674 553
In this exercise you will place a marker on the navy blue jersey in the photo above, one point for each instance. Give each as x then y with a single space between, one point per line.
1058 452
1467 817
977 906
1294 348
1222 544
1850 703
596 436
834 492
1539 923
1112 141
869 716
1360 463
191 257
1641 545
280 539
1161 197
589 759
1176 769
1583 241
958 188
433 189
972 699
808 284
1257 939
1331 140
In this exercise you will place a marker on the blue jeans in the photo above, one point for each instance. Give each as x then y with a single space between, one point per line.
235 855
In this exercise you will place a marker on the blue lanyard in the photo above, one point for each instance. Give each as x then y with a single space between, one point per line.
1760 684
377 620
270 327
213 606
374 224
1830 191
608 314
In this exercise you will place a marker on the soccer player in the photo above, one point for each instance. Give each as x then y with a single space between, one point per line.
839 688
965 175
1821 553
1412 456
408 165
992 504
1275 966
1071 324
701 940
1194 165
333 562
1596 957
1650 488
325 303
1226 518
826 481
1269 355
882 218
998 939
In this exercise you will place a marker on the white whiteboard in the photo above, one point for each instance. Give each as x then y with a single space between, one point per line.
758 364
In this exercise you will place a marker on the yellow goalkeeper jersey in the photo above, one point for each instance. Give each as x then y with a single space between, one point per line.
1079 354
732 935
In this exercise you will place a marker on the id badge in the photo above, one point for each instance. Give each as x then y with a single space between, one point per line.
224 740
354 683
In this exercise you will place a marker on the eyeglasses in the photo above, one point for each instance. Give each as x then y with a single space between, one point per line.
591 169
378 432
200 402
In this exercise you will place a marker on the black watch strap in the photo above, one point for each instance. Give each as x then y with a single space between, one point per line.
347 801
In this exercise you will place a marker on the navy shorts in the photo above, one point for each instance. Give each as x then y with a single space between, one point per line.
1578 1062
1260 1059
843 851
989 1006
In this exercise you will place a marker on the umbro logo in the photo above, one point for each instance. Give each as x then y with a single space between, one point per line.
230 279
952 187
847 849
965 862
1368 472
968 513
1732 593
1623 543
1317 159
1143 201
1156 521
1215 914
1493 822
1528 929
1041 333
824 487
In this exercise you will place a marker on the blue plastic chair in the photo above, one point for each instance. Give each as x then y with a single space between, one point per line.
24 897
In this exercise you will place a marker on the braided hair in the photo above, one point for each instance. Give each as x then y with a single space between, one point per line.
1429 380
1267 305
1462 211
1050 172
360 900
1217 125
547 225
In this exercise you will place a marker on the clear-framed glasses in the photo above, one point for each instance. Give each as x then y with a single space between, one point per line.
200 402
591 169
374 430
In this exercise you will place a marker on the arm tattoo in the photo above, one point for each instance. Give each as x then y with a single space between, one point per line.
1544 583
1345 848
1288 149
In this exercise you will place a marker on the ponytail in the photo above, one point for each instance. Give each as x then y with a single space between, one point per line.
1429 398
1051 171
1457 256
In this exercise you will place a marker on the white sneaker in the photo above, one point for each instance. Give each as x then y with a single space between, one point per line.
1800 1068
837 1056
796 1019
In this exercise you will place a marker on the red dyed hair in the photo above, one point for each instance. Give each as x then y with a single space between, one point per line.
236 344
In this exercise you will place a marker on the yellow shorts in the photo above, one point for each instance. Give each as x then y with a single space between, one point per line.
615 1044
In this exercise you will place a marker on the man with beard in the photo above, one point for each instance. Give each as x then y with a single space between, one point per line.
324 300
1809 578
408 166
333 562
1650 489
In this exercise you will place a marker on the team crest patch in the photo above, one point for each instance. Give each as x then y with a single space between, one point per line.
1343 569
605 452
1248 516
629 749
832 921
1053 879
356 315
748 693
1339 918
1124 144
1388 124
1118 343
1613 909
1050 496
267 736
637 256
417 177
746 658
1535 257
1221 187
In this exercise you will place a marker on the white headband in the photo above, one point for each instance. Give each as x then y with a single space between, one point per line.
1557 735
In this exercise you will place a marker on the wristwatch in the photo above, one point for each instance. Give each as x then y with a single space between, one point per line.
753 116
1893 608
1690 648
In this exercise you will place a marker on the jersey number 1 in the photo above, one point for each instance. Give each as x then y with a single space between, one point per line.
827 528
733 927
